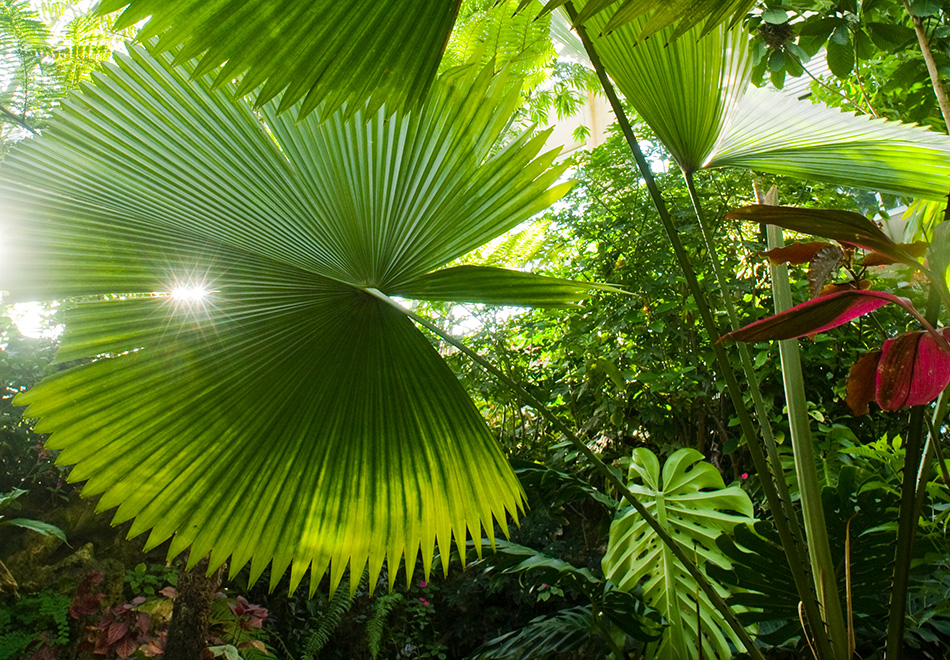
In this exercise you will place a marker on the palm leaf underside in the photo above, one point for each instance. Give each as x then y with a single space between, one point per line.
694 92
291 416
334 53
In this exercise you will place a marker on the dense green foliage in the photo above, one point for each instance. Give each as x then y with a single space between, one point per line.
632 367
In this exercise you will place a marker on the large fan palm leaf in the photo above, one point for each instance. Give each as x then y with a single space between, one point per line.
290 415
694 93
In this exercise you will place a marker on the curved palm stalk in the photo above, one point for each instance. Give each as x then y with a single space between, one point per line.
785 521
287 415
341 53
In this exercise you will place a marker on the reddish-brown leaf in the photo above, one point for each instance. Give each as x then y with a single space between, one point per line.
843 226
862 382
126 647
117 631
795 254
816 316
913 371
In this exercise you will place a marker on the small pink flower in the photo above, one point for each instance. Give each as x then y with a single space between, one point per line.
423 584
424 602
745 475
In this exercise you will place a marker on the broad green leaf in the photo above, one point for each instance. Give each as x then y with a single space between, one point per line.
6 499
284 415
37 526
691 501
840 52
341 53
765 588
497 286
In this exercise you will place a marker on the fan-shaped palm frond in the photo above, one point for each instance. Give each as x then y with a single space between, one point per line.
334 52
679 16
248 393
694 94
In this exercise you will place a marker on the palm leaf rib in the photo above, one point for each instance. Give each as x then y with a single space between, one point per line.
288 418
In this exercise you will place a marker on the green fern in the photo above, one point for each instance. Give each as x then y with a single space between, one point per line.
376 623
329 621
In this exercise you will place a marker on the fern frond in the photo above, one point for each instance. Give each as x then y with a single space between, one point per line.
376 623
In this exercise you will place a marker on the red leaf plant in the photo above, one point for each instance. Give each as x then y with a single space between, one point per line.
909 370
123 630
248 614
87 599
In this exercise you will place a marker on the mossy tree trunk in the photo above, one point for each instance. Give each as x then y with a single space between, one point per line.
188 630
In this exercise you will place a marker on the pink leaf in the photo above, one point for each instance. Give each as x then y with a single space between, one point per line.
913 371
817 315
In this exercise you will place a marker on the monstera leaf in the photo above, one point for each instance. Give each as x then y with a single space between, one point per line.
246 387
691 501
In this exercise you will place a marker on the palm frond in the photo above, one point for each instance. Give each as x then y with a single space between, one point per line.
774 133
686 90
694 93
498 286
287 416
677 17
338 53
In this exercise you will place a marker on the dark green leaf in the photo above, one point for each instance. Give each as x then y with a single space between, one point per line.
37 526
843 226
841 55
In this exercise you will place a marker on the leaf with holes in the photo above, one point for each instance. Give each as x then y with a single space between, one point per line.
690 500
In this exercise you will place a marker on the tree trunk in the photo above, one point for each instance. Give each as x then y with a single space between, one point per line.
188 630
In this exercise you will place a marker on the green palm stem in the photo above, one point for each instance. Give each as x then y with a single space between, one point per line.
767 478
909 512
609 476
748 368
819 547
792 540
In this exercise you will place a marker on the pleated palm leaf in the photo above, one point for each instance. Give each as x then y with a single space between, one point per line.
695 94
335 53
246 387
